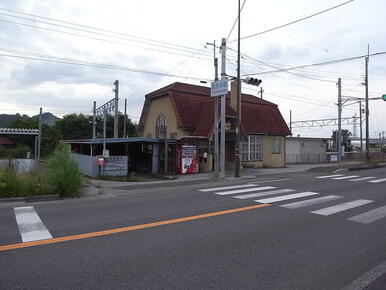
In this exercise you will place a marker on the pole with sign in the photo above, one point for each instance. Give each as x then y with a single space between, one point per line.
220 88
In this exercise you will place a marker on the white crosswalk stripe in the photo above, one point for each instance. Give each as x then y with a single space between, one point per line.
30 225
227 187
370 216
378 180
341 207
329 176
272 192
345 177
244 190
362 178
286 197
309 202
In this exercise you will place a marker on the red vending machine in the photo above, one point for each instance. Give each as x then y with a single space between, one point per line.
187 160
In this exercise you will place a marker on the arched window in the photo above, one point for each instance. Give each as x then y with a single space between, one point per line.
160 127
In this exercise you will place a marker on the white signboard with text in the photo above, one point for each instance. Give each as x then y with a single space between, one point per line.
219 88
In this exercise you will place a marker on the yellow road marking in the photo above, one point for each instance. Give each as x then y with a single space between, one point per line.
127 229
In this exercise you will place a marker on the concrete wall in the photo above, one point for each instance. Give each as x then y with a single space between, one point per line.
305 150
161 106
273 159
21 165
86 164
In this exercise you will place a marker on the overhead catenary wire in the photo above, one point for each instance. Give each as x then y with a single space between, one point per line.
293 22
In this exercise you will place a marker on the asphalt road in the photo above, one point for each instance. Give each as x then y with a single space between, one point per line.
331 234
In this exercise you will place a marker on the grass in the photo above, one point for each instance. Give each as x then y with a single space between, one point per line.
63 174
13 184
61 177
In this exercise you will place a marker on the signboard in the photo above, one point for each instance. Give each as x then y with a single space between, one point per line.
116 163
334 158
100 161
219 88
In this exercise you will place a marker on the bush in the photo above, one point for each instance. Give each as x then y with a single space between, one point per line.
63 174
13 184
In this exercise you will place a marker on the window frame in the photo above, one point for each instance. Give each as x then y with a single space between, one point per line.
252 149
161 127
276 146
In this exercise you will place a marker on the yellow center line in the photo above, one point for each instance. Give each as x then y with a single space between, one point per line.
127 229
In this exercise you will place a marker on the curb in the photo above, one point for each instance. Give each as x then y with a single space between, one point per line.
31 198
42 198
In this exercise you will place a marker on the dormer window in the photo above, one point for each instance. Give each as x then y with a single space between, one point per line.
160 127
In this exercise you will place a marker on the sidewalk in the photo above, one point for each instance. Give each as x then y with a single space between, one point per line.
109 187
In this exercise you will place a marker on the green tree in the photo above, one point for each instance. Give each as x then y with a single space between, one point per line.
346 140
74 126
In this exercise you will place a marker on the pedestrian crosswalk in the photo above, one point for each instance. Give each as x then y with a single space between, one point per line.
371 179
303 199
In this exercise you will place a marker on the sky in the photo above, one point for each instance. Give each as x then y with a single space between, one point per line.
150 44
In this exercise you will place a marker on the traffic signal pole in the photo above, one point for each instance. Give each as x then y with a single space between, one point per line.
223 100
238 114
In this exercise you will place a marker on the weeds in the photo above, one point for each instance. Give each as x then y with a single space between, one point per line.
63 174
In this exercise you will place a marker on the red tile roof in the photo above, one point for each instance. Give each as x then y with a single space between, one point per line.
194 110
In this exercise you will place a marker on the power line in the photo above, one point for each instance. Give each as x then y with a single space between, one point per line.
96 28
316 64
285 70
102 39
97 65
234 23
293 22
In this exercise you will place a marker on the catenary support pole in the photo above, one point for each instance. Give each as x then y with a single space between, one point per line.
360 125
40 134
238 114
116 90
104 130
223 101
339 132
367 109
94 121
125 121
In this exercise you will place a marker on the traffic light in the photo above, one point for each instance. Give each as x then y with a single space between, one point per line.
253 81
384 97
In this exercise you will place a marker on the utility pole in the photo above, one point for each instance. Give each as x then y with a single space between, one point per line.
367 106
360 124
116 89
339 133
223 100
40 135
291 123
94 121
215 121
125 120
238 113
261 93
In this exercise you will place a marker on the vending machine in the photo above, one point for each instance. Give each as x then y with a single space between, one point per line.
187 160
